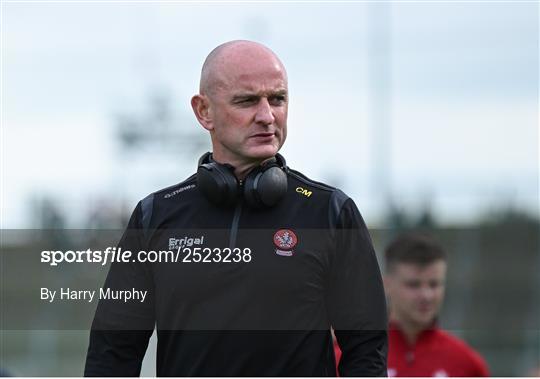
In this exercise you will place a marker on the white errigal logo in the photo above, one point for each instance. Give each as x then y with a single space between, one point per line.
180 243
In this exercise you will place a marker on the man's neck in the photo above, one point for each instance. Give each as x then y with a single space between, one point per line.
410 330
241 168
241 171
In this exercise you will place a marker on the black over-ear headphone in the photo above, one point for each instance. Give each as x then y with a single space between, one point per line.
264 186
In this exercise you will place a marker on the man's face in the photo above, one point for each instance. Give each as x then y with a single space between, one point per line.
248 111
416 292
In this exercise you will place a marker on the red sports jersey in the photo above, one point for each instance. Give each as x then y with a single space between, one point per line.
435 353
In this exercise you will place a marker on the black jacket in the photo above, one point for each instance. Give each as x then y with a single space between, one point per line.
270 313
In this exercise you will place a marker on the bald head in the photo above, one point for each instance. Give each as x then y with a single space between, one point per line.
228 60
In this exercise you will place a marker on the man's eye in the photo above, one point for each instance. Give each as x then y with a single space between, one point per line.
277 100
247 101
413 285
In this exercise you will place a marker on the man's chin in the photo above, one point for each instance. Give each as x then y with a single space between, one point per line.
262 152
425 321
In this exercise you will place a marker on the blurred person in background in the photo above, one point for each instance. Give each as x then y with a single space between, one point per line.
270 313
414 280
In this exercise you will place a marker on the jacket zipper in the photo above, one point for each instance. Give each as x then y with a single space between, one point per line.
236 219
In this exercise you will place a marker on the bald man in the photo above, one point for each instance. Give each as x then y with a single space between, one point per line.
264 260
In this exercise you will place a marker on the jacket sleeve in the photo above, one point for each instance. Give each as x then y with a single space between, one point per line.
121 330
356 303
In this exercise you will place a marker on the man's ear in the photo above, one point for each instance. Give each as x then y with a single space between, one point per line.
201 108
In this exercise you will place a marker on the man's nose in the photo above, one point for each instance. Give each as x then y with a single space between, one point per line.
265 114
427 293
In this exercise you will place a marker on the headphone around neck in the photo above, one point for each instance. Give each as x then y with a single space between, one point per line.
263 187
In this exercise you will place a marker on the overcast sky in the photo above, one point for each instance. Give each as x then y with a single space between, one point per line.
454 86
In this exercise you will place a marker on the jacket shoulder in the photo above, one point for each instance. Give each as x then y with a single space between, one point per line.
336 197
147 204
333 192
312 183
171 191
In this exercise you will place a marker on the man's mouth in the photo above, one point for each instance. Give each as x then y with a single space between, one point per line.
262 135
425 308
